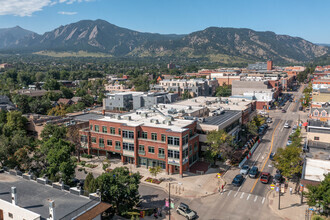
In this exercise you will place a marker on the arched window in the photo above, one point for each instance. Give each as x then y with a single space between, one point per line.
323 113
316 113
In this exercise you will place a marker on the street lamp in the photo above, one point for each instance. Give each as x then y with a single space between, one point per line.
169 198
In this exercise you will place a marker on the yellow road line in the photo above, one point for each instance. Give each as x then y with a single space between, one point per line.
270 151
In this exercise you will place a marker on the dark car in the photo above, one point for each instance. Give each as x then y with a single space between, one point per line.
238 180
283 111
265 177
272 155
253 173
278 178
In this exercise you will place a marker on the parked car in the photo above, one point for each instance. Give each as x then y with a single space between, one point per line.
286 125
265 177
238 180
278 178
253 173
283 111
185 211
269 120
301 108
245 170
272 155
294 127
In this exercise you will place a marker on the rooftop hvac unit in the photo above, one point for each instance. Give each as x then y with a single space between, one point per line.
156 121
127 118
118 117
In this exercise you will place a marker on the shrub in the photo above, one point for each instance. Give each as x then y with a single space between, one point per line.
74 159
87 156
83 163
89 165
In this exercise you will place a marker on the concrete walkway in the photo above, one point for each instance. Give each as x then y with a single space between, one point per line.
290 207
189 186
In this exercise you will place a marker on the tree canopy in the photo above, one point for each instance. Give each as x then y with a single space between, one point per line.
220 143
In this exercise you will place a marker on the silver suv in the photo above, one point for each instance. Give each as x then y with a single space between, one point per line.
185 211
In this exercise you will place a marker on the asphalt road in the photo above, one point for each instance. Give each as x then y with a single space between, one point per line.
250 200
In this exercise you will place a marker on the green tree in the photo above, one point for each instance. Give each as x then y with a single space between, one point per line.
51 130
186 95
224 91
319 195
15 122
288 160
59 163
119 188
89 178
51 84
67 93
154 171
87 100
220 143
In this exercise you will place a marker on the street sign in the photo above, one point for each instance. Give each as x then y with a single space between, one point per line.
219 175
272 186
311 209
277 189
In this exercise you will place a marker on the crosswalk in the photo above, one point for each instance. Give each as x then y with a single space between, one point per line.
244 196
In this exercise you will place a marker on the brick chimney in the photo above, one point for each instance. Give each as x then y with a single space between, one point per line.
13 196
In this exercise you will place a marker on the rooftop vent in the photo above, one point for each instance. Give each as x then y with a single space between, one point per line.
118 117
127 118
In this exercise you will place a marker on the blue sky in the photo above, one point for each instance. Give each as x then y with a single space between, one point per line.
309 19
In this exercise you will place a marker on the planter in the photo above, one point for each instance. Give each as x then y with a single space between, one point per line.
151 180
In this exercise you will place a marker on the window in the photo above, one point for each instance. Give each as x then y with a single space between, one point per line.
170 153
104 129
323 113
316 113
316 138
190 149
173 141
151 150
176 154
144 135
94 140
154 136
185 153
83 138
141 149
96 127
119 131
101 142
91 127
196 147
128 146
163 138
112 130
109 142
185 140
161 152
10 215
118 147
190 133
128 134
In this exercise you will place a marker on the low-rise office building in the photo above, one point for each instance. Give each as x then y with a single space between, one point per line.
195 87
145 138
318 131
127 101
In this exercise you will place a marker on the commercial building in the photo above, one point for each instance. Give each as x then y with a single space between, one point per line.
322 113
215 104
314 170
261 66
127 101
294 70
323 83
227 120
195 87
24 198
320 97
226 77
145 138
318 132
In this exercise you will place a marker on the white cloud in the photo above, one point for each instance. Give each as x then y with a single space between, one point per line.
67 12
28 7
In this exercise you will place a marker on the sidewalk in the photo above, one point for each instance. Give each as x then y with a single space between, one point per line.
189 186
290 207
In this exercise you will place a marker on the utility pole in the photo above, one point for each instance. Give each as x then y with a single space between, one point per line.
169 201
279 199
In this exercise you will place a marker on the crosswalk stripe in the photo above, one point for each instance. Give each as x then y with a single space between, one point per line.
256 199
236 193
248 197
263 200
229 193
242 195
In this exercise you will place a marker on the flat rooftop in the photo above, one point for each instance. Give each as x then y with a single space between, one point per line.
220 119
34 197
150 118
88 116
213 103
314 169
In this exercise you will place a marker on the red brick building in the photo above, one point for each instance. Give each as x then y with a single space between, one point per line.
145 138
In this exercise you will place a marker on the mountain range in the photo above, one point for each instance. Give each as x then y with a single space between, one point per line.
217 44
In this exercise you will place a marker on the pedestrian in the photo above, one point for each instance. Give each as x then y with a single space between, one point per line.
290 190
222 187
159 212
